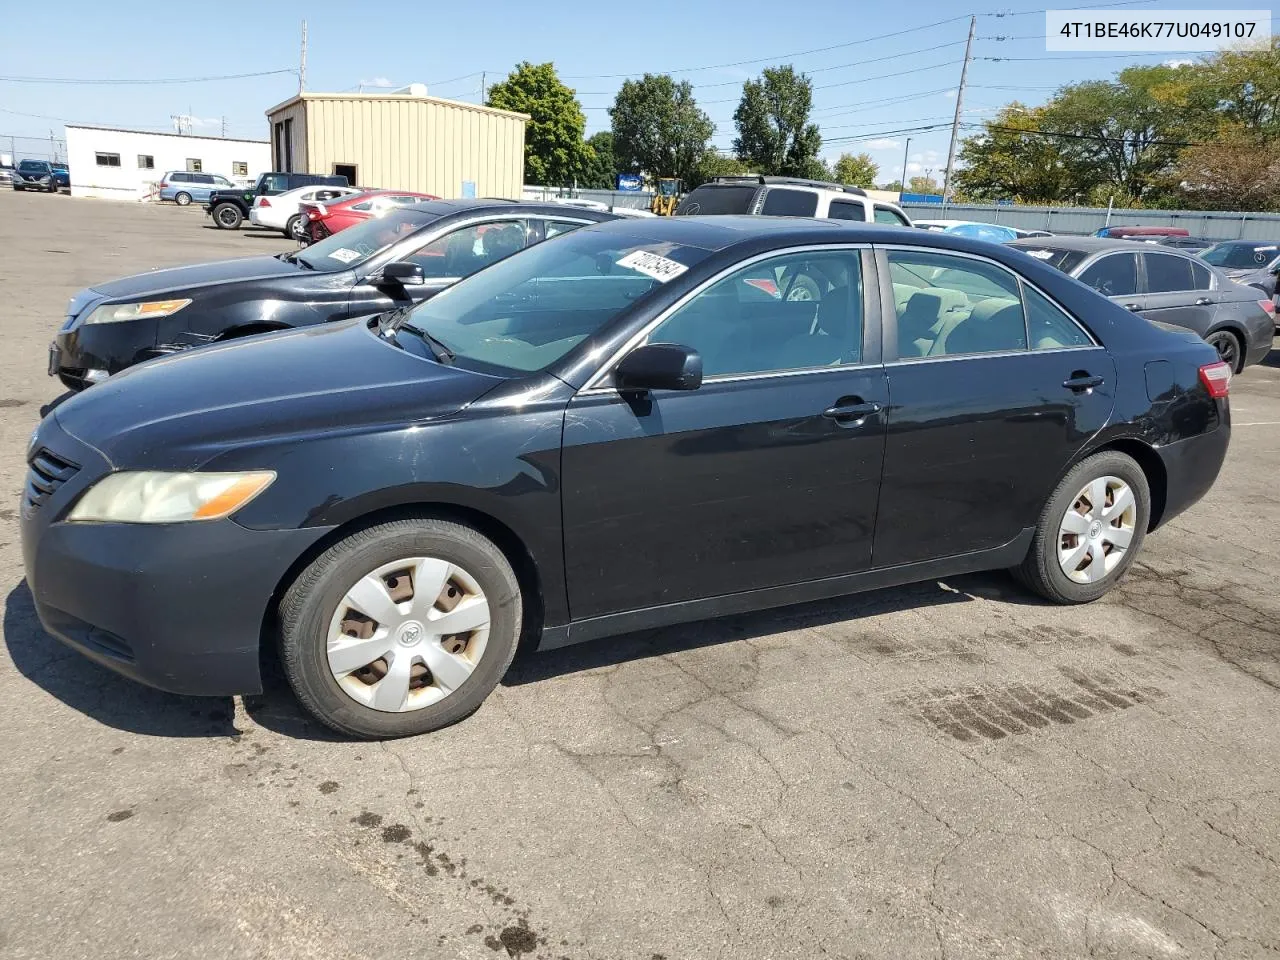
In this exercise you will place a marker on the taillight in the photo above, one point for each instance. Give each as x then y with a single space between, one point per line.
321 210
1268 306
264 202
1216 378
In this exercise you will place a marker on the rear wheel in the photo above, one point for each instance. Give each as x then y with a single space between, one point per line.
1230 350
400 629
182 198
293 228
227 216
1090 530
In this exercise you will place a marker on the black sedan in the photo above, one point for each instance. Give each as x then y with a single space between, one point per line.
628 426
395 260
1170 287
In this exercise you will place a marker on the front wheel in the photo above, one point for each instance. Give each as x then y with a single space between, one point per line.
1230 350
227 216
182 198
400 629
1090 530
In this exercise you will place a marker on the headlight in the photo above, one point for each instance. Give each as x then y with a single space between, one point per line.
135 311
145 496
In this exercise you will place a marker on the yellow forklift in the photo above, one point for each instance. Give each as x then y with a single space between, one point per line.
666 197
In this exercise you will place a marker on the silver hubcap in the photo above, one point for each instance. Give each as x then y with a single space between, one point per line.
1097 529
408 634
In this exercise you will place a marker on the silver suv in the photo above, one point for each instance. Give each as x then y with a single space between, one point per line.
789 197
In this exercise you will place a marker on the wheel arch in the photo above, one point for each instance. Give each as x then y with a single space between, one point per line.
503 536
1152 468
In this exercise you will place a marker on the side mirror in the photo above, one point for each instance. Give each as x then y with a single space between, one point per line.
402 272
659 366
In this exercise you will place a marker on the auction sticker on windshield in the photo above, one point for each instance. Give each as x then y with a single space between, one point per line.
345 254
652 265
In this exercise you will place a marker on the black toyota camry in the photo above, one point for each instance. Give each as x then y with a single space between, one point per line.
397 259
638 423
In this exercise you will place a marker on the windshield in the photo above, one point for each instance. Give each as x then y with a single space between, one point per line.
33 165
1241 256
356 244
709 201
526 312
1064 260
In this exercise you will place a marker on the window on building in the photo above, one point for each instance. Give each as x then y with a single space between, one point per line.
195 165
239 168
146 161
107 159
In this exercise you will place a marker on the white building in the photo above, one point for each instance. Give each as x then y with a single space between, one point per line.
127 164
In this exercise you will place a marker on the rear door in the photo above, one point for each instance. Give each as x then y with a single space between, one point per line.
1171 295
993 390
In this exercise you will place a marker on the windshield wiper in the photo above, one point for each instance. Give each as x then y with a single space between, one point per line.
441 351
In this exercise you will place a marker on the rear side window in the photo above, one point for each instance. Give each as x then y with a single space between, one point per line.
556 227
891 217
1049 327
950 306
789 203
1167 273
1201 278
844 210
1113 276
709 201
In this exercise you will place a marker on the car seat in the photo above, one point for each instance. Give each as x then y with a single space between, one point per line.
993 325
929 312
835 335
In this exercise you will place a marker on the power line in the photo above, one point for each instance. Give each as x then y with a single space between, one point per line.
1090 136
88 81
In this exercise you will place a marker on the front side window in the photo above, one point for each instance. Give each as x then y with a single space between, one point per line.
1167 273
222 181
195 164
846 210
274 183
780 202
466 250
526 312
948 305
791 312
890 216
1113 276
107 159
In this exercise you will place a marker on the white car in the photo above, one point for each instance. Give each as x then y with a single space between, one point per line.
281 211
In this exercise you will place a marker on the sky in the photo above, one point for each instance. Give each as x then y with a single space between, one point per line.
881 73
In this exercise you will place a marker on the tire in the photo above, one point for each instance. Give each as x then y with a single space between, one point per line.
293 227
1230 348
18 189
227 216
1043 571
310 615
182 198
53 188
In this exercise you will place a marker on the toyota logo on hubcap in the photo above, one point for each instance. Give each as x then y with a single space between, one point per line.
410 633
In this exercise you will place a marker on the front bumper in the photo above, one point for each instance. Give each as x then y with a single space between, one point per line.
179 607
80 350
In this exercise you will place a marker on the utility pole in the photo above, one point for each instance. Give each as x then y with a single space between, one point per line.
53 148
906 153
955 124
482 79
224 128
302 63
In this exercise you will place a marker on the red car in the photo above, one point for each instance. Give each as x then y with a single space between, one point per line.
324 219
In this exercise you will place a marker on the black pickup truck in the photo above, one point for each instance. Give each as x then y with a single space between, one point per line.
229 208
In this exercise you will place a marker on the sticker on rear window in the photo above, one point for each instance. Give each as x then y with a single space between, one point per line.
652 265
345 255
1040 254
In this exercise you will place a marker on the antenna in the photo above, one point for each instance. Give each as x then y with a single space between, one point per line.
302 63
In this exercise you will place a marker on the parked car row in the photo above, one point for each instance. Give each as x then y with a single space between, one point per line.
634 423
40 175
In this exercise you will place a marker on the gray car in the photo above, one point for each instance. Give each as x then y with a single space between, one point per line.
1167 287
1254 263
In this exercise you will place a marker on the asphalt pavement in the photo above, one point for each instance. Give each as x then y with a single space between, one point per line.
948 770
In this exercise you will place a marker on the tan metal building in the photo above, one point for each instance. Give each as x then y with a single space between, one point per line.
402 141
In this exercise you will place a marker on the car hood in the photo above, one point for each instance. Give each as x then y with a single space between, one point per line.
1250 273
159 282
179 412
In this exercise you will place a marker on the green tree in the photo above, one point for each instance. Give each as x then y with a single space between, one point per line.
1009 160
658 128
920 184
855 169
712 164
1236 170
554 152
602 169
774 132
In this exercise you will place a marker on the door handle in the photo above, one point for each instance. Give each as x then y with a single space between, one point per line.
1203 302
1133 306
850 413
1081 381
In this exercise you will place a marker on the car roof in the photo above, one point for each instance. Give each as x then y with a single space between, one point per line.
1083 244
